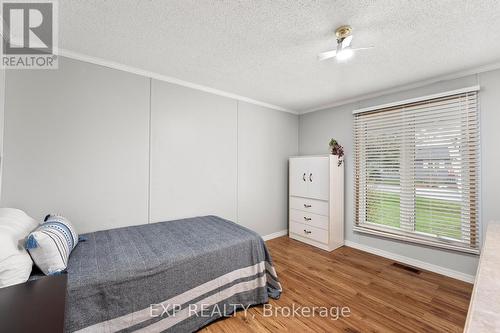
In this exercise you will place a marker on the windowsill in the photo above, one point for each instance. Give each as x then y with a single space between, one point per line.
406 238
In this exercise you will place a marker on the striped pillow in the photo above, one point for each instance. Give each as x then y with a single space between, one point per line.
51 244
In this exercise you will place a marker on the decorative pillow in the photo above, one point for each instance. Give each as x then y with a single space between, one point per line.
15 262
51 244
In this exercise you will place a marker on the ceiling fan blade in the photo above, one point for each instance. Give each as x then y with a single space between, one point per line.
363 48
327 55
346 42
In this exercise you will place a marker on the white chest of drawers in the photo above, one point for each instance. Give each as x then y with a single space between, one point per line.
316 201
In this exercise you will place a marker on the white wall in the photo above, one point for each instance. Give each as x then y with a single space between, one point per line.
315 130
76 143
2 102
101 146
490 146
266 138
193 153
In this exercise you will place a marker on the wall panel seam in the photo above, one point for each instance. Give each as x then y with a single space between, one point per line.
237 161
149 149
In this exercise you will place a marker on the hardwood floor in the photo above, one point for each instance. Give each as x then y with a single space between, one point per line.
381 296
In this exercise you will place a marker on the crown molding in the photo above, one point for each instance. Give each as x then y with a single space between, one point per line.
165 78
138 71
417 84
419 99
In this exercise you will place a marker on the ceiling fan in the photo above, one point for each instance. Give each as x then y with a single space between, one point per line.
344 50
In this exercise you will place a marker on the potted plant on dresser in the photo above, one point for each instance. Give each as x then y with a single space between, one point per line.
337 150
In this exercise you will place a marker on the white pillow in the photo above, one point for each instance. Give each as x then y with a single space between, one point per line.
51 244
15 262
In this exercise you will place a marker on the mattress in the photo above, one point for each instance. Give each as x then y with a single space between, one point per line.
166 277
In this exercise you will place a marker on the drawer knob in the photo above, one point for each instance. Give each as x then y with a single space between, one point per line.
307 218
307 206
307 231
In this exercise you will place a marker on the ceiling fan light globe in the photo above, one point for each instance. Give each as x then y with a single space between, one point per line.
344 54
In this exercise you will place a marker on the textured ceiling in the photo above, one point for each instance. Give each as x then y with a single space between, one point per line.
266 49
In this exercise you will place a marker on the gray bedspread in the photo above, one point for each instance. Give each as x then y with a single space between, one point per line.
166 276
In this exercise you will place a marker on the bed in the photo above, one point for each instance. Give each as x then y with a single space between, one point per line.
174 276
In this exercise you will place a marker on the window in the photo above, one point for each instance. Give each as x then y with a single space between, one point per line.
417 170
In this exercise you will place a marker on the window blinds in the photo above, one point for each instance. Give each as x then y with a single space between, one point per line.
417 170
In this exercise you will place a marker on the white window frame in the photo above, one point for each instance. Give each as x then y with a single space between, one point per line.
399 233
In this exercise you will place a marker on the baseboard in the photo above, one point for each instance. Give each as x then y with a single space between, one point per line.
277 234
413 262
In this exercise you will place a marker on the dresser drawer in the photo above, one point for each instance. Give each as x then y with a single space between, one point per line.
309 205
310 232
310 219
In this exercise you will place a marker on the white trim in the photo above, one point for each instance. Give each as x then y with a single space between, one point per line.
418 99
160 77
413 262
277 234
412 238
405 87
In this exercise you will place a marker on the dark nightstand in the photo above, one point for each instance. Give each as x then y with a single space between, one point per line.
34 306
